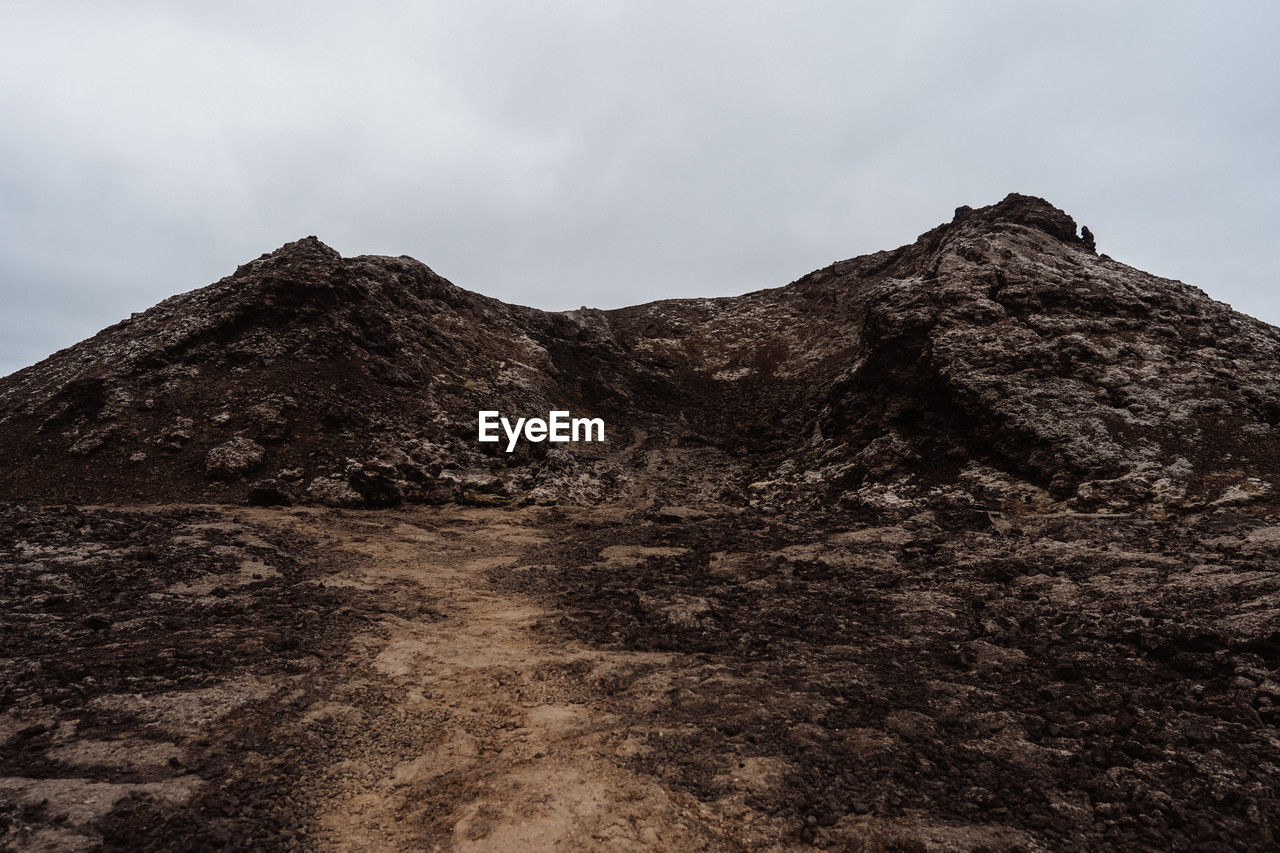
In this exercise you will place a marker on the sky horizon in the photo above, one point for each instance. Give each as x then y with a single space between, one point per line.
612 153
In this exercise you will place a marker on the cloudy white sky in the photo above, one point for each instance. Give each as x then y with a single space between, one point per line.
605 153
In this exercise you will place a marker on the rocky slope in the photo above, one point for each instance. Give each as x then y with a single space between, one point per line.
997 359
970 545
467 678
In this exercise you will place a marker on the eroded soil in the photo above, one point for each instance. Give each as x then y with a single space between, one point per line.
498 679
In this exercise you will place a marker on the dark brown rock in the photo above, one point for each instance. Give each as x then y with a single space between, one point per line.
997 356
269 493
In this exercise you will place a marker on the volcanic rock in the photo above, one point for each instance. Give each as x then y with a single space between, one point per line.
233 458
997 357
968 545
269 493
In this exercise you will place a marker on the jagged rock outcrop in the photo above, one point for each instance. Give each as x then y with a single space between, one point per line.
1008 343
998 358
301 364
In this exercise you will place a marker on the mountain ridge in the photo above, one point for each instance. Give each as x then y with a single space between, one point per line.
998 357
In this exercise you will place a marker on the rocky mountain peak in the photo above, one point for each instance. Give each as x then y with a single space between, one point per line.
301 262
1025 210
306 249
969 544
997 355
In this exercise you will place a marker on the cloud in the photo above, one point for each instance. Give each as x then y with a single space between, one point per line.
600 153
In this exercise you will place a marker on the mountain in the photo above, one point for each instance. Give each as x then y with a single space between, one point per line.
998 359
967 545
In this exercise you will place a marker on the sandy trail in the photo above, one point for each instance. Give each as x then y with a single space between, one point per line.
512 752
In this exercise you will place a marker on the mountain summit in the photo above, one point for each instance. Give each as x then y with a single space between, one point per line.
967 545
997 358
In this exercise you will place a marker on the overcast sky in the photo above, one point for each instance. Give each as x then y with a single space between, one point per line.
569 153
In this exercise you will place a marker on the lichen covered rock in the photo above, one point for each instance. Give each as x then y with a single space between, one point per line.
234 458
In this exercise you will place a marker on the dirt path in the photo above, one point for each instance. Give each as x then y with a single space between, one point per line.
512 752
464 678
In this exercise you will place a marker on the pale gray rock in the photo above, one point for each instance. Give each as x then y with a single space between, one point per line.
234 458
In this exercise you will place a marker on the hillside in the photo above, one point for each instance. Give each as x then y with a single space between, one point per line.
969 545
998 355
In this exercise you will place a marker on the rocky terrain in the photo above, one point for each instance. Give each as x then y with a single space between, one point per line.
997 356
969 545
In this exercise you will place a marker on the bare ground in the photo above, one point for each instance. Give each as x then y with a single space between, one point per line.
523 757
440 715
499 679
